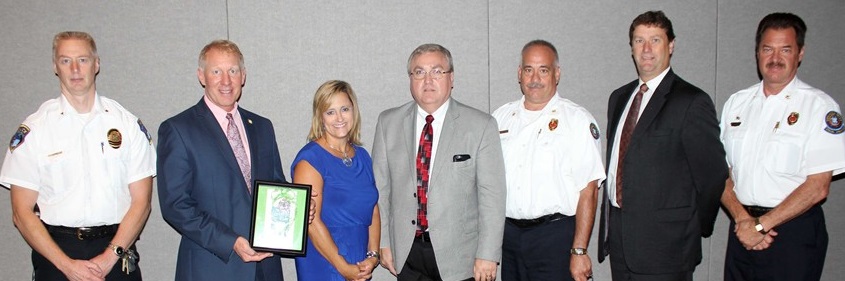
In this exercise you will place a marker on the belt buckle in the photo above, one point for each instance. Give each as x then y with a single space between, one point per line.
79 232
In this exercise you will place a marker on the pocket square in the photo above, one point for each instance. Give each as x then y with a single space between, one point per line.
460 157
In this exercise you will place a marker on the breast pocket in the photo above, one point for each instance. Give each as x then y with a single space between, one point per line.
784 153
58 169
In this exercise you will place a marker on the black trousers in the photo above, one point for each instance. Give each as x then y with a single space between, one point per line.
539 252
44 270
797 253
421 264
619 270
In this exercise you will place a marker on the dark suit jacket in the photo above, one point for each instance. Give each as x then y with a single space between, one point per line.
203 194
674 175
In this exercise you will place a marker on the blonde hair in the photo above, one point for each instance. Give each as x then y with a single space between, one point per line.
225 46
322 100
78 35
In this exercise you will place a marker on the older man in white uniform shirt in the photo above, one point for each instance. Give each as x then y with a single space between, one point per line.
784 142
553 165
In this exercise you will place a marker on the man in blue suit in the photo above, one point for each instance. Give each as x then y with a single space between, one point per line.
210 154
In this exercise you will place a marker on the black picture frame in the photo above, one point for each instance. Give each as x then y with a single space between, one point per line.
279 221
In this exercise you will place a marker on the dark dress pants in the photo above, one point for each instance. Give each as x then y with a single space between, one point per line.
797 253
44 270
538 252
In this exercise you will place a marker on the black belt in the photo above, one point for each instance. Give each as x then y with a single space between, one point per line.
423 237
535 222
84 233
757 211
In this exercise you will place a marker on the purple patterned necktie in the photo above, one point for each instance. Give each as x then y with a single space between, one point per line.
625 138
234 136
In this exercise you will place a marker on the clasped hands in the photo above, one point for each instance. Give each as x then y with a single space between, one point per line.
752 239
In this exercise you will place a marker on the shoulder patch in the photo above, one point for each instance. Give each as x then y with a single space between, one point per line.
834 123
144 130
18 137
594 130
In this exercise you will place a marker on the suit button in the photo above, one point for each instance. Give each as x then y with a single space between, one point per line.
413 222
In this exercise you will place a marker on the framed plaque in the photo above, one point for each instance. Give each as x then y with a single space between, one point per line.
280 217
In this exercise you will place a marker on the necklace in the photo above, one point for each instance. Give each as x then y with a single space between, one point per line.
346 160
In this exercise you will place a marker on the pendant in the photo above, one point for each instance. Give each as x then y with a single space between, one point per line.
347 161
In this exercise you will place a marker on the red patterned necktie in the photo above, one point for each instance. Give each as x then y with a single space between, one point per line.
234 136
625 138
423 163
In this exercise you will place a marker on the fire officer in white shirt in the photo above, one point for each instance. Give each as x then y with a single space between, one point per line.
553 166
784 142
88 164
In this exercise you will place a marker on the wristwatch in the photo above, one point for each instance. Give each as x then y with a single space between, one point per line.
759 226
373 254
118 250
578 251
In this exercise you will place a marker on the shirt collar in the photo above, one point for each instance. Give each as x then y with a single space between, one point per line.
218 112
654 82
438 114
97 107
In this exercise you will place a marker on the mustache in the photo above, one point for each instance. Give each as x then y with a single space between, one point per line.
775 64
534 85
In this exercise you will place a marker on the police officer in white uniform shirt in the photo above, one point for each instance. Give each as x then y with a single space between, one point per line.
88 164
784 142
553 165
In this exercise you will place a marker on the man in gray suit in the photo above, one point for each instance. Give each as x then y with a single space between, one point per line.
440 221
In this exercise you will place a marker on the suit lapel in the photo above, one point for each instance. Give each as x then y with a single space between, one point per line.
206 119
447 137
411 141
654 105
251 139
618 108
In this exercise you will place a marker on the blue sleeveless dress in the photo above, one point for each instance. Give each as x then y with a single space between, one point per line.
349 196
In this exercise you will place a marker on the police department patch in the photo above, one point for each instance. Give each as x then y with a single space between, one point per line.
18 137
144 130
834 123
594 130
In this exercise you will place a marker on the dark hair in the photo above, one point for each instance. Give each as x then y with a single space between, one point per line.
544 43
652 18
782 21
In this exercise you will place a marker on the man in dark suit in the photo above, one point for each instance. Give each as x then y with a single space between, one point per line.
446 224
665 157
210 154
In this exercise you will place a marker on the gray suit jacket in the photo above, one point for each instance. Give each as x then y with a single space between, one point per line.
466 207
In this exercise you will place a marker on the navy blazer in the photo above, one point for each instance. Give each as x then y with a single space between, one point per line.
674 175
204 197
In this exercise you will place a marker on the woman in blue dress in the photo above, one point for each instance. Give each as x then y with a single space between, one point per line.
343 239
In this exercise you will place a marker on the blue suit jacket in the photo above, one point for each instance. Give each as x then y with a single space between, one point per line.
204 197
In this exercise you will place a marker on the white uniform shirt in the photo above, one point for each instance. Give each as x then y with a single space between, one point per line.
82 178
550 156
774 143
614 153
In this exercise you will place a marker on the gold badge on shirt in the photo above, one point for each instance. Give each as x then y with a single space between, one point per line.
553 124
115 138
793 117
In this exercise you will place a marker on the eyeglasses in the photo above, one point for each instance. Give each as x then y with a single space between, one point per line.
435 74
